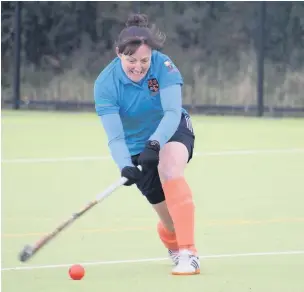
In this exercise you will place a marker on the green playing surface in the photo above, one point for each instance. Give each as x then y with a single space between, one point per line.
247 179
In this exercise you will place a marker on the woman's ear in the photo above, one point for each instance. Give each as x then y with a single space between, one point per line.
117 52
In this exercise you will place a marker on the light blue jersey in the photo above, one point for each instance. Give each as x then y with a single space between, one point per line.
140 106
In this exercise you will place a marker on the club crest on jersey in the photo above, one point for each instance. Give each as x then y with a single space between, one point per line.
153 86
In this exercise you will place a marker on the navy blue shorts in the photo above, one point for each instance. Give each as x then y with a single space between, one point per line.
150 185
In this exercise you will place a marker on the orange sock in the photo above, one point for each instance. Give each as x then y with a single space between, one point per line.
167 237
181 208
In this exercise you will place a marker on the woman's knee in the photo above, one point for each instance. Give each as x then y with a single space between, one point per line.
173 160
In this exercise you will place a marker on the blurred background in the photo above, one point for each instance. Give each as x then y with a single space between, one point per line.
236 57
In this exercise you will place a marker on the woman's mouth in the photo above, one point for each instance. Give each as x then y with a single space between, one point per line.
135 72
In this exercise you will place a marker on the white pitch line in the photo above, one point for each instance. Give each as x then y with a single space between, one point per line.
20 268
59 159
95 158
251 152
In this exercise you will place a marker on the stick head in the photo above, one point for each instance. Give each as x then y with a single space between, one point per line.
26 253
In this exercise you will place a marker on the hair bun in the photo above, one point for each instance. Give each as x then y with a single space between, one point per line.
140 20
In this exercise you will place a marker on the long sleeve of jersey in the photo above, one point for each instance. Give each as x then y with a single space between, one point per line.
171 100
114 130
107 109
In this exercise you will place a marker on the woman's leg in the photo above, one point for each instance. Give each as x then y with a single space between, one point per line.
151 187
173 160
166 232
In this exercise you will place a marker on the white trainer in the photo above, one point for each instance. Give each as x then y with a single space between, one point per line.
173 255
188 263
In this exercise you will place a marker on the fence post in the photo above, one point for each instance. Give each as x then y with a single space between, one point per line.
260 59
16 77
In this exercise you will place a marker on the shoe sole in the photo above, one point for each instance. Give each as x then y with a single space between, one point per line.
186 274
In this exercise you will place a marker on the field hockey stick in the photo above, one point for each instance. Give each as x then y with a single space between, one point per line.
29 250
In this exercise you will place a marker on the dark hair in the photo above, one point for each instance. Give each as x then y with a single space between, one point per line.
138 32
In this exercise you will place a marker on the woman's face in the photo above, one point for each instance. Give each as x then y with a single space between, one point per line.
137 65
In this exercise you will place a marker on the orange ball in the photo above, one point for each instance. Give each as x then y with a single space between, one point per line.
76 272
